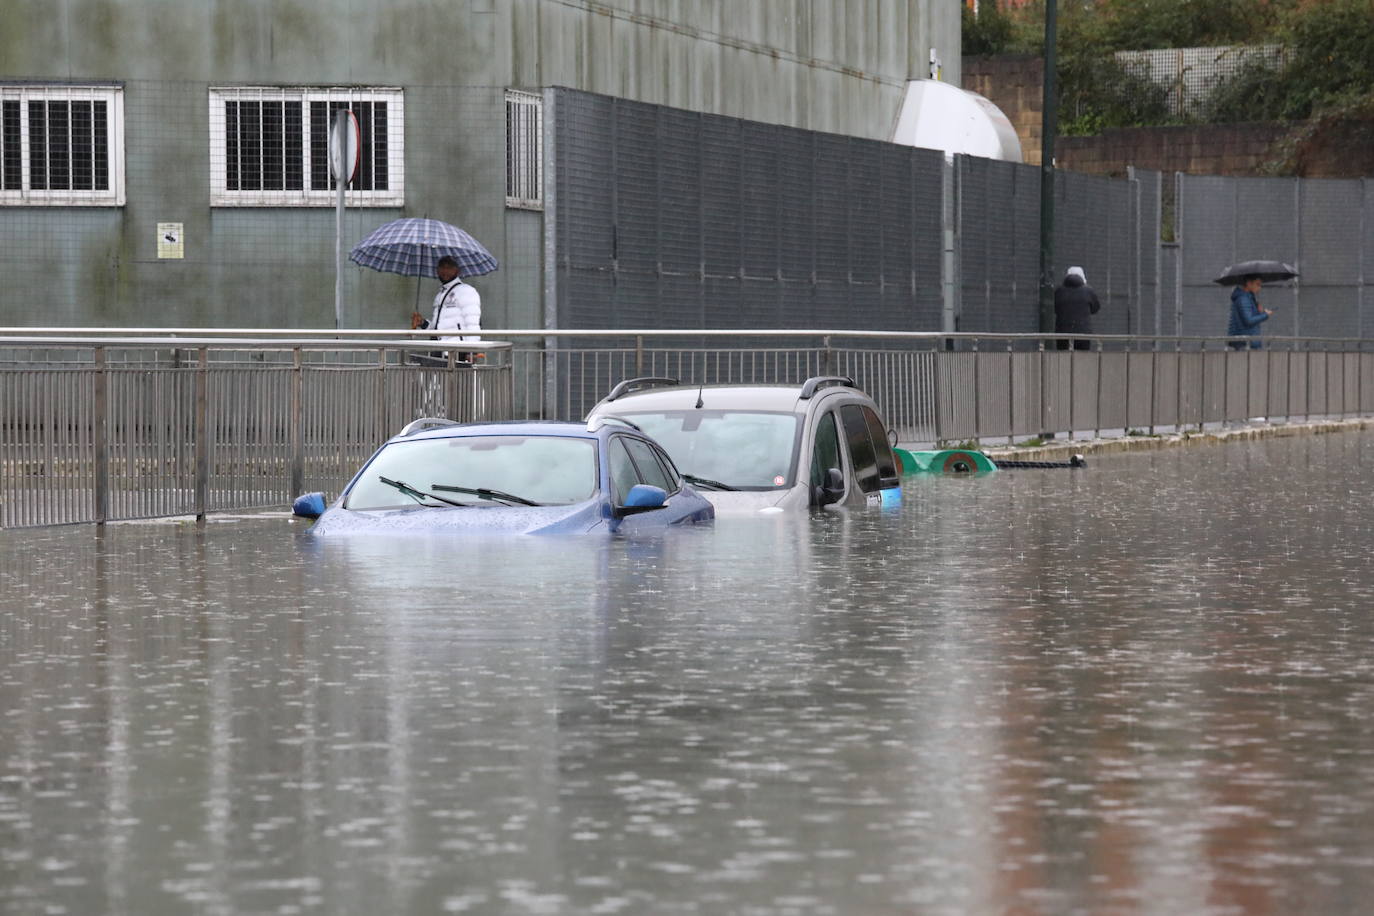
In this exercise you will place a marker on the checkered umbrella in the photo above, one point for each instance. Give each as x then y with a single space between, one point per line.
411 246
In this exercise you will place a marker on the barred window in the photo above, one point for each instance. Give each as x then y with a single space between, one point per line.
270 146
61 145
524 150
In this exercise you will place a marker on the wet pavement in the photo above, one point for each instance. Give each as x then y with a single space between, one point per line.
1143 687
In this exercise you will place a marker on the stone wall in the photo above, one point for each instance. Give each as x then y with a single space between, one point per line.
1209 149
1015 83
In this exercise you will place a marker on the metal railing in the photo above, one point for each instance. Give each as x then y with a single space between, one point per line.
137 423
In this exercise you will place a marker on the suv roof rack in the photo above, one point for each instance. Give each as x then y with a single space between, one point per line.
632 384
596 423
815 383
424 423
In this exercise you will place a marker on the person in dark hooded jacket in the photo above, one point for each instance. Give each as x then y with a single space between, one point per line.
1074 305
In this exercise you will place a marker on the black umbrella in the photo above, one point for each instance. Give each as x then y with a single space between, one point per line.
1268 271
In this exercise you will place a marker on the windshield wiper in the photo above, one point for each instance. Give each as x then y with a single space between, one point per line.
707 482
485 493
418 495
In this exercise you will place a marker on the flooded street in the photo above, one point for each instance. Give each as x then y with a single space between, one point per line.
1143 687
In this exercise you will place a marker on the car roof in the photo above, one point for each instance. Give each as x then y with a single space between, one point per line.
781 398
433 428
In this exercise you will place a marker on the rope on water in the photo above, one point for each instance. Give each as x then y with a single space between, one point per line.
1075 461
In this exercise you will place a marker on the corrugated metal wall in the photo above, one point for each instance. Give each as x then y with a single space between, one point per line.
1320 226
674 219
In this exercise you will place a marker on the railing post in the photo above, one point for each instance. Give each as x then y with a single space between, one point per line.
101 437
1044 390
977 401
1011 392
936 370
1202 385
1154 383
827 356
1178 385
297 432
1097 408
639 354
202 433
452 385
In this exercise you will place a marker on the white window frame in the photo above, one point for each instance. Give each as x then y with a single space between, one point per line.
25 195
393 196
524 150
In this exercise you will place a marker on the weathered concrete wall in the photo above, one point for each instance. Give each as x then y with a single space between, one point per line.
832 65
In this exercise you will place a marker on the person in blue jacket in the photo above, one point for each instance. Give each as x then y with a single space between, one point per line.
1246 314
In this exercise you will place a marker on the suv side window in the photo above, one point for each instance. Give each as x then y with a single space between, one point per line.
623 473
650 471
861 449
825 454
887 462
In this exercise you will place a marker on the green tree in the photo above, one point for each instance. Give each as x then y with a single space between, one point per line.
1132 25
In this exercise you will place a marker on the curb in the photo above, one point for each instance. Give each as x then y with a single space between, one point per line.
1062 451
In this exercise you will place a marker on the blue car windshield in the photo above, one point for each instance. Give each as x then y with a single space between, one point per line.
548 470
743 449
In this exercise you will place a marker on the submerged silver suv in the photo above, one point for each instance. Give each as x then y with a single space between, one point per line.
751 448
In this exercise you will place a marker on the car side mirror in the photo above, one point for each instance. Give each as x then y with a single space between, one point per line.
832 491
311 505
642 497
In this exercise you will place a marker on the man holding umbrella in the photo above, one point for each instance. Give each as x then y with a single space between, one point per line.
457 306
1246 314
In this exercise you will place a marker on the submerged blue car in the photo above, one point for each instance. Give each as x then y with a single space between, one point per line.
519 477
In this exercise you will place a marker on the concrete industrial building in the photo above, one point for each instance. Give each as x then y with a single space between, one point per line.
162 164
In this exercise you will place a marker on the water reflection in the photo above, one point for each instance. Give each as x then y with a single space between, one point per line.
1138 687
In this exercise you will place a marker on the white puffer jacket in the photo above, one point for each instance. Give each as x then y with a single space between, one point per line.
457 307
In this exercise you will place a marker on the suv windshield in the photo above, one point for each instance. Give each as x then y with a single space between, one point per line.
547 470
745 450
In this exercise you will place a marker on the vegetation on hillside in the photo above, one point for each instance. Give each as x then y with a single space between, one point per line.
1327 69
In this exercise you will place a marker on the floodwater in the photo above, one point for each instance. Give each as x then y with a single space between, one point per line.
1143 687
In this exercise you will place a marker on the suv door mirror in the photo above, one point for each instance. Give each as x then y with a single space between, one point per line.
832 491
642 497
310 505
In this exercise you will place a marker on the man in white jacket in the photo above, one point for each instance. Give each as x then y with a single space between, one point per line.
457 306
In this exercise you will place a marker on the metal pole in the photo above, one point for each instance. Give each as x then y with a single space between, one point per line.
297 433
102 439
1049 127
202 433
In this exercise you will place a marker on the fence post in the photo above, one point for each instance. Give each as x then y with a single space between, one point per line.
1202 385
1011 392
639 355
1178 385
977 401
202 433
827 356
452 385
1097 408
297 433
1154 383
102 439
1044 391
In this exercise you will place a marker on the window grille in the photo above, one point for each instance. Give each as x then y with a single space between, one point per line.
524 150
62 145
270 146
